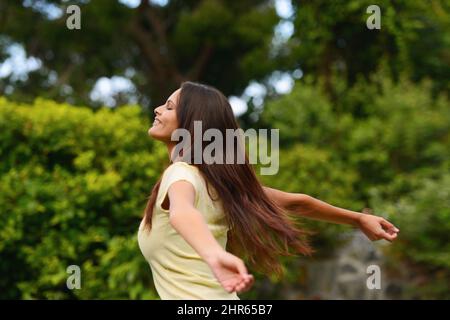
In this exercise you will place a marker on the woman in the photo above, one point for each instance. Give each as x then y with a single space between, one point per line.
200 217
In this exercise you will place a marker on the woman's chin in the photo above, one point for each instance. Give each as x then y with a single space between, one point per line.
153 132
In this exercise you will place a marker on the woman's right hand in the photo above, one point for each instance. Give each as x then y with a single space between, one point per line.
230 271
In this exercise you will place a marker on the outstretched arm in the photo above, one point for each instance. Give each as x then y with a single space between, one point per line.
189 223
372 226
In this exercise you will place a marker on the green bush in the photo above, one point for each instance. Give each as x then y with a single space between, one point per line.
423 217
74 184
303 116
406 130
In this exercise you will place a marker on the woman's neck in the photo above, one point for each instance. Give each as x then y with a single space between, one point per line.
170 149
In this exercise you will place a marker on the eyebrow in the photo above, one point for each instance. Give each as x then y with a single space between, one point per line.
170 101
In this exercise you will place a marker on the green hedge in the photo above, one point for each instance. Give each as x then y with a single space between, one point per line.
73 185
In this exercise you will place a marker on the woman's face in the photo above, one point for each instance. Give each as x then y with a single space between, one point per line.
165 119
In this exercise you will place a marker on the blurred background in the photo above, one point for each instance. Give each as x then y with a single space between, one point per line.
364 121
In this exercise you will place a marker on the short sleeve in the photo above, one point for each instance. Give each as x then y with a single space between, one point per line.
178 171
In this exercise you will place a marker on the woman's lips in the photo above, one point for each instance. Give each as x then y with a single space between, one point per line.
156 121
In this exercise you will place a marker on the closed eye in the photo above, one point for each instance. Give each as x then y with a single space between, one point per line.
169 105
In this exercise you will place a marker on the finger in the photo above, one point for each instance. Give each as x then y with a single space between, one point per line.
246 277
243 281
229 288
250 283
389 226
248 280
389 237
243 284
391 231
240 287
247 286
231 285
386 224
244 287
247 283
236 264
241 268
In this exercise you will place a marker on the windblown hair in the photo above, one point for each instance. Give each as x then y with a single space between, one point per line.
259 230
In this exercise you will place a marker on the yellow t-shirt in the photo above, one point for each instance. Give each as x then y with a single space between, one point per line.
178 271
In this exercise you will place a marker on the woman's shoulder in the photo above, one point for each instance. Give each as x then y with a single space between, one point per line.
181 168
181 165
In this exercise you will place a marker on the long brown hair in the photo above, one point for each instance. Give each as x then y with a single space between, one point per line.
260 231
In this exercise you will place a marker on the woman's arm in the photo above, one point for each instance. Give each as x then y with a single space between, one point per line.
189 223
306 206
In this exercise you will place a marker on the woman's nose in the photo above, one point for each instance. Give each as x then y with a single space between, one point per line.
156 111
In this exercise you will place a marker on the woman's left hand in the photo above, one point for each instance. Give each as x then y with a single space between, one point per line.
376 228
230 271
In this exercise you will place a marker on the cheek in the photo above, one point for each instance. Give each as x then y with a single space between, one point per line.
171 124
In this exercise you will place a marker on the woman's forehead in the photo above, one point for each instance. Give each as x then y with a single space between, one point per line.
174 96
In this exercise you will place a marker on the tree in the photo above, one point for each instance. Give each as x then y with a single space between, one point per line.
223 43
332 35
